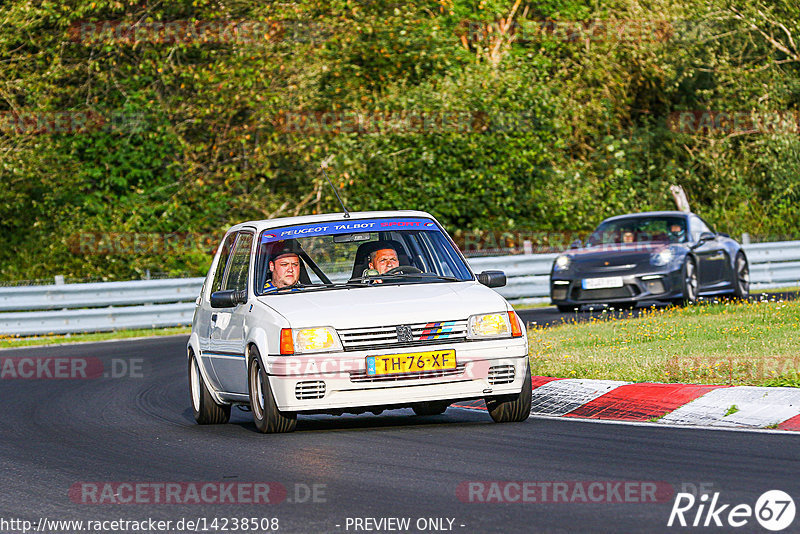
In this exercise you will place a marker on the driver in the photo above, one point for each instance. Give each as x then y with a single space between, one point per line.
383 259
676 233
285 269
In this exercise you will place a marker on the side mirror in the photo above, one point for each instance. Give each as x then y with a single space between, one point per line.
492 278
228 299
704 237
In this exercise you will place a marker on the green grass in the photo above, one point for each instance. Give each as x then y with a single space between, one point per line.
750 343
777 290
11 342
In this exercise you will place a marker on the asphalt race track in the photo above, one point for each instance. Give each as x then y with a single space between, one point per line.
138 428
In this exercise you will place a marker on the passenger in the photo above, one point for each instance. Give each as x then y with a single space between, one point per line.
285 269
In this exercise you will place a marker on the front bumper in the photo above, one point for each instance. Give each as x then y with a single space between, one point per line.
339 381
657 285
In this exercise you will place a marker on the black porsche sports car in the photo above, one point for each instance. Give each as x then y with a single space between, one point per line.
654 256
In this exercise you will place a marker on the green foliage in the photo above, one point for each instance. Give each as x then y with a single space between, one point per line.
547 116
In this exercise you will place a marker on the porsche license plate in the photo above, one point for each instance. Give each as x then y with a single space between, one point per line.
415 362
602 283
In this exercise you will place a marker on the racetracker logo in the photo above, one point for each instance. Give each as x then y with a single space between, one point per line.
774 510
50 368
575 491
69 368
177 493
27 122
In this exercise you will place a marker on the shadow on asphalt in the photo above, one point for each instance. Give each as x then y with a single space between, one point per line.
404 418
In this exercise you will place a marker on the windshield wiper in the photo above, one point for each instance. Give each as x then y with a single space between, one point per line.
418 275
299 287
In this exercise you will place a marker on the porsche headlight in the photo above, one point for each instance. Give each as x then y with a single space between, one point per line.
659 259
318 339
488 325
562 263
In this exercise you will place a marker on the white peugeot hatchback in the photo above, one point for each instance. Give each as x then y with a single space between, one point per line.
351 313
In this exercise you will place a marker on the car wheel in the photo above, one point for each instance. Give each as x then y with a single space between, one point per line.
268 418
566 308
741 277
430 408
205 408
689 283
512 408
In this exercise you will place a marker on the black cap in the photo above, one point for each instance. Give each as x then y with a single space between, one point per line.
375 246
284 248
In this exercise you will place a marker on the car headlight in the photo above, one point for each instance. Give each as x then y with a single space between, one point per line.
562 263
318 339
659 259
489 325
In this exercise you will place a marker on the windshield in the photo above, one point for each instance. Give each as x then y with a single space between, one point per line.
663 229
355 253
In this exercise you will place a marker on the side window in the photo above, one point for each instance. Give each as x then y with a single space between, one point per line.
227 246
697 227
240 262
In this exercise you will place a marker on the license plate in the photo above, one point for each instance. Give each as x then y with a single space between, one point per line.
415 362
602 283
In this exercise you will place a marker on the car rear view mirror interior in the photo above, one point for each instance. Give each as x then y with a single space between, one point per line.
228 299
492 278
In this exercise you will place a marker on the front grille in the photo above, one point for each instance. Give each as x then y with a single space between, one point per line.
610 293
314 389
362 376
387 336
501 374
600 267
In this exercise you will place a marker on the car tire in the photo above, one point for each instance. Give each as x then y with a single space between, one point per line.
205 409
430 408
266 415
566 308
741 277
512 408
689 283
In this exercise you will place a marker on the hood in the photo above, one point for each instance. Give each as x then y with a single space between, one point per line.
386 305
604 257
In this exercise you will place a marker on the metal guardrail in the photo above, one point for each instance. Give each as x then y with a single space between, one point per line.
96 307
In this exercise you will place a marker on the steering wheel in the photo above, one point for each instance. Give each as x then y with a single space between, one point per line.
403 269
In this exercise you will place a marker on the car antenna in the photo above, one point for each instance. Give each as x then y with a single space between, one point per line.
323 165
